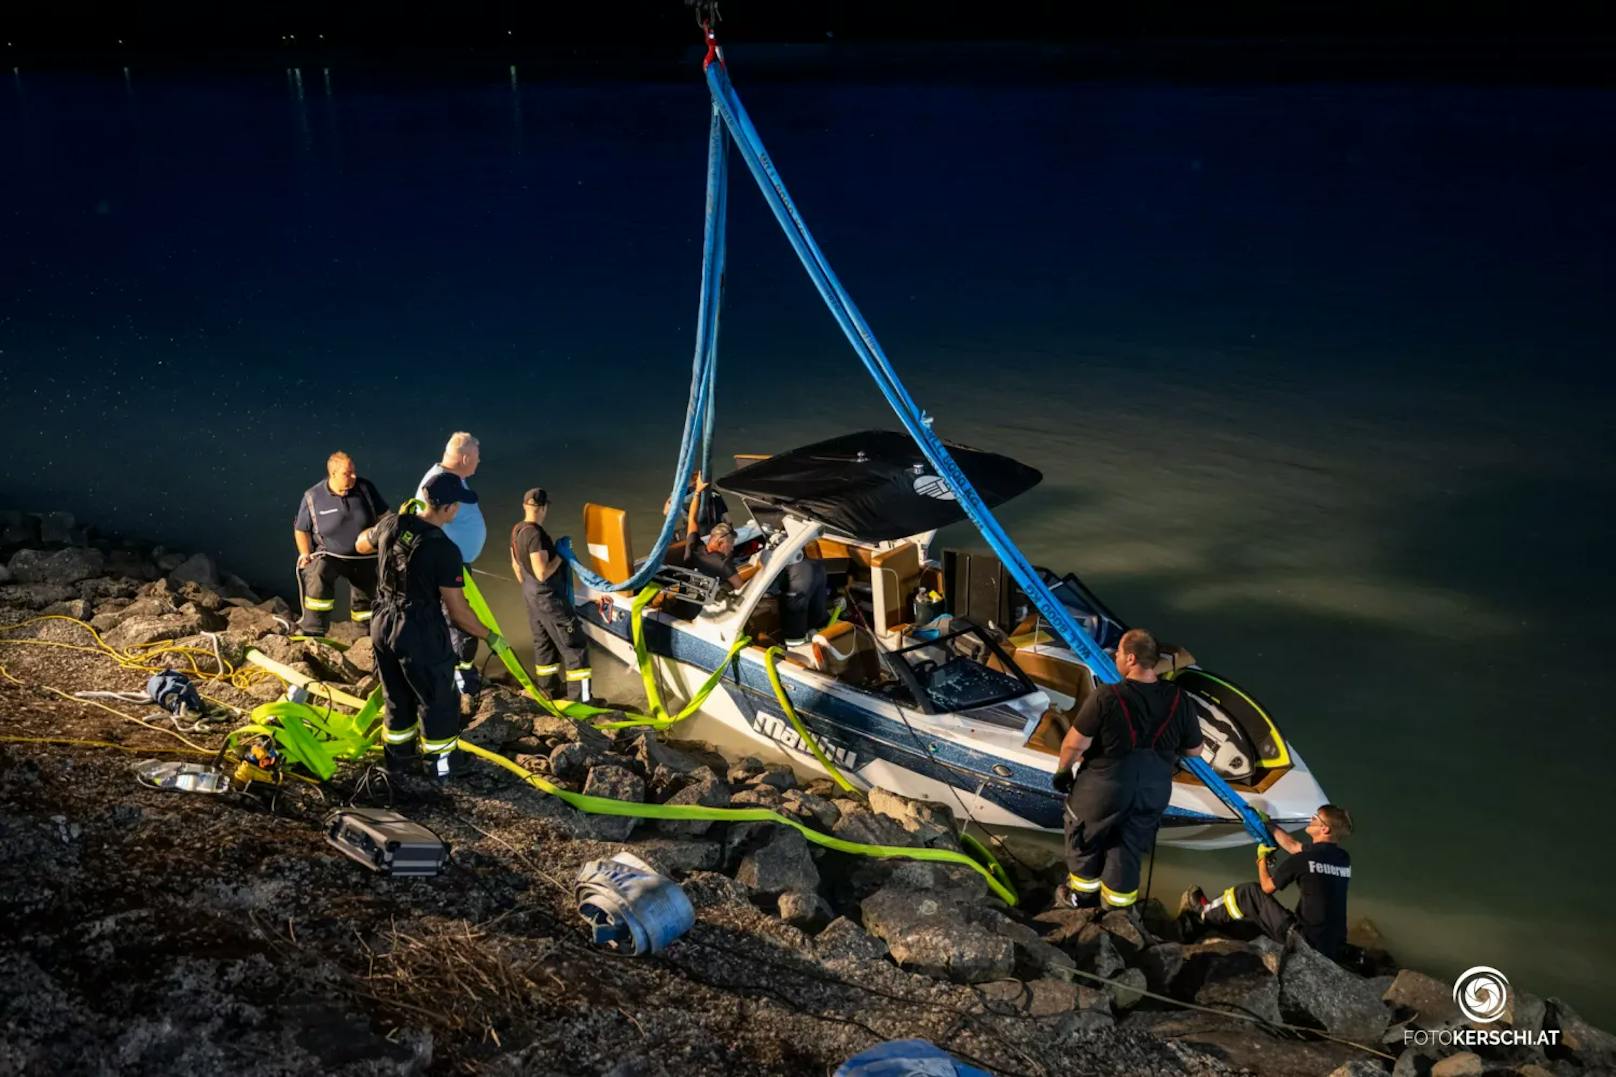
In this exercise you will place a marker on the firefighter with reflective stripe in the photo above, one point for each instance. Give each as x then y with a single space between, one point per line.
558 638
1321 870
1128 738
330 518
420 575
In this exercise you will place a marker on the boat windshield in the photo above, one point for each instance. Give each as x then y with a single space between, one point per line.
952 672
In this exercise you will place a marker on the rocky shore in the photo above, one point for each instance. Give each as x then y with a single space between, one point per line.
143 931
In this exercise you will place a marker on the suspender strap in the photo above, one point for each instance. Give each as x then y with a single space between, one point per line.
1127 716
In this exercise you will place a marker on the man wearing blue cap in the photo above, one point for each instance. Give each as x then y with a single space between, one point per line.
420 577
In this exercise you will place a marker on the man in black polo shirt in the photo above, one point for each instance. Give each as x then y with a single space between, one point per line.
1321 872
558 638
330 518
1129 737
420 574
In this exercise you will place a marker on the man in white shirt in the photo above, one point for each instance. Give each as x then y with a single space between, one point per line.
468 530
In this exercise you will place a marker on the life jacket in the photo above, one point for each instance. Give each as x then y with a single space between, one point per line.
1135 733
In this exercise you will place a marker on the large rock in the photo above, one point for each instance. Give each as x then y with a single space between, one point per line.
924 820
5 574
250 621
573 761
663 766
1034 998
63 566
1593 1048
705 789
56 528
132 631
1125 930
858 823
198 568
805 910
35 596
330 664
778 775
1127 988
500 719
361 654
1316 992
1222 972
613 783
950 949
1062 926
780 864
937 937
816 811
566 731
1426 999
744 770
131 563
1463 1064
757 796
1161 965
844 940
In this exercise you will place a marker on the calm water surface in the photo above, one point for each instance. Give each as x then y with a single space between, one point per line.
1318 377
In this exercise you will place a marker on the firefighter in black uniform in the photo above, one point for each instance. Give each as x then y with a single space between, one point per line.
1321 871
1129 737
330 518
558 639
421 575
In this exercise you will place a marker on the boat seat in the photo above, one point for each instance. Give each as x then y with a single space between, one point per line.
607 540
1049 730
894 576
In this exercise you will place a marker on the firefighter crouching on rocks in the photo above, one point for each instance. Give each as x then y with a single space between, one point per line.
1321 870
1129 737
329 520
420 576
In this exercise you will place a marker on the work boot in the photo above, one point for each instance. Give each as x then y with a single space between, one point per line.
467 680
439 768
401 758
1191 924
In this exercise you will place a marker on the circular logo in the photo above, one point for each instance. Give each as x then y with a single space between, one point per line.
933 487
1482 993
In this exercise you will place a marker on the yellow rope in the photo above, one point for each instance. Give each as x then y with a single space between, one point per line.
143 656
7 739
110 710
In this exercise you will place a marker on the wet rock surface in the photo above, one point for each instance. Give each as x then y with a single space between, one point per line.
143 931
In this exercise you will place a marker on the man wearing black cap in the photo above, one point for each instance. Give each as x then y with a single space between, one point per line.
558 639
420 575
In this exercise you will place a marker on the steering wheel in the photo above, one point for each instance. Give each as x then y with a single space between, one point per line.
924 669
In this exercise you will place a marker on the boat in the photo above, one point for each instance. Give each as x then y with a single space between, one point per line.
940 679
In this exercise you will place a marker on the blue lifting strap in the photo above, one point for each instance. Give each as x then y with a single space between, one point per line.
917 423
698 432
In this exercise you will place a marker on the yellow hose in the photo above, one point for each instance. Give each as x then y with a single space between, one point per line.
990 871
769 657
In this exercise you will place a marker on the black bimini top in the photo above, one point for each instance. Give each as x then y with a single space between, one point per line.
875 485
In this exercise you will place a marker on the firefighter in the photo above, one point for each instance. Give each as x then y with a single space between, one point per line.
558 639
421 575
469 531
330 518
1128 737
1321 871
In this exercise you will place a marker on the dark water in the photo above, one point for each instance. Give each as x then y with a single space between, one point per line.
1318 377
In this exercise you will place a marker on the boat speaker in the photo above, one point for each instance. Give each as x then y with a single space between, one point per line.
978 588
